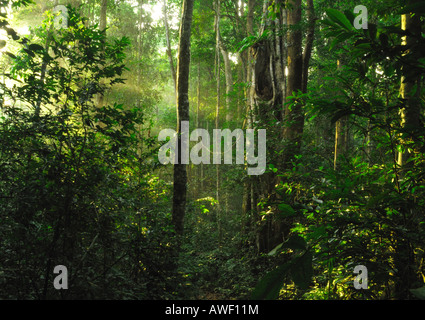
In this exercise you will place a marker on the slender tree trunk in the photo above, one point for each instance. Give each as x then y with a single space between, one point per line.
140 43
183 64
311 18
410 91
341 140
229 79
198 190
294 114
43 73
169 52
341 135
246 205
217 53
102 21
102 27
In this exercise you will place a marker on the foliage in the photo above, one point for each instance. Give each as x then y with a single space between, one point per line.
81 186
368 212
75 185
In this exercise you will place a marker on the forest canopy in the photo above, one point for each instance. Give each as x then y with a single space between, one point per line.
212 149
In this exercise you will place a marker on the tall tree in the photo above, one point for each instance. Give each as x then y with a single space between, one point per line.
229 78
102 20
341 135
247 199
183 64
410 88
267 94
102 27
169 52
217 112
294 115
410 91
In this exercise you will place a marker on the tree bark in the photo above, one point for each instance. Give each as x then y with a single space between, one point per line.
341 135
341 140
311 18
294 115
410 89
102 21
249 32
183 64
217 53
102 27
229 80
198 191
169 52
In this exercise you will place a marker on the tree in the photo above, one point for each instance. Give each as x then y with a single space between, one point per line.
294 113
341 135
169 52
102 27
183 64
217 109
410 87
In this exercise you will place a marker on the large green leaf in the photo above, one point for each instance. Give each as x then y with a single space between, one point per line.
35 47
338 17
419 293
340 38
285 210
302 270
275 250
269 286
295 242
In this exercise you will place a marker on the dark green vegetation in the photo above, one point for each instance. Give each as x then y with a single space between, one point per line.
81 184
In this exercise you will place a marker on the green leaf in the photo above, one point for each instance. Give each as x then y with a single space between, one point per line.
285 210
340 114
339 18
269 286
350 16
275 250
317 233
328 22
302 270
29 52
35 47
10 55
295 242
419 293
12 33
340 38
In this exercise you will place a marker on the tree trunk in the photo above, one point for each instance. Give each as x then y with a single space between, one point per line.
249 32
341 140
198 191
102 27
311 18
217 53
410 90
229 79
294 115
341 135
169 52
266 100
102 21
183 64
